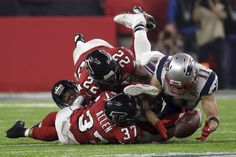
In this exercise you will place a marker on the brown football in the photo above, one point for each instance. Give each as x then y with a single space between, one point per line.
187 124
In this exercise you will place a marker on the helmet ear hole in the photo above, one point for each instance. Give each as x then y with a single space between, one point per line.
122 109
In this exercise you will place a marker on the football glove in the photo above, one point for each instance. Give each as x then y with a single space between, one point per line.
160 127
205 132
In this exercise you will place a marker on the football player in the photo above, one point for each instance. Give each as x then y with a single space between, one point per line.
182 83
65 93
109 120
99 66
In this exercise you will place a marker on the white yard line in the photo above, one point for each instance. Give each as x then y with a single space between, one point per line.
173 154
23 152
225 132
29 145
222 94
36 105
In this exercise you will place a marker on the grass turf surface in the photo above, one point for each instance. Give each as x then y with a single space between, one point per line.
222 141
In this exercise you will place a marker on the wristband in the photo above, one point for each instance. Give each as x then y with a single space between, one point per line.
214 119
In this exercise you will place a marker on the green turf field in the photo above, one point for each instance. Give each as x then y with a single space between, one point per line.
221 143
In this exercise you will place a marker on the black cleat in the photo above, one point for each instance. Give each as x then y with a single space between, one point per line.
78 37
17 130
151 23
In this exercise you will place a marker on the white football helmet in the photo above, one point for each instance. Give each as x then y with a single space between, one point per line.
180 73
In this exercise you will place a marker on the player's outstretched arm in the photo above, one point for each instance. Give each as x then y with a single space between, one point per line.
156 122
210 109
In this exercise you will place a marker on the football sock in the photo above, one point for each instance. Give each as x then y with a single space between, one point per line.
141 43
27 132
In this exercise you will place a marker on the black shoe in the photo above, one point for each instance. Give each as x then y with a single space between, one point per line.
151 23
17 130
78 37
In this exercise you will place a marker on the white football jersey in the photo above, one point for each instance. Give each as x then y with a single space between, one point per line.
205 83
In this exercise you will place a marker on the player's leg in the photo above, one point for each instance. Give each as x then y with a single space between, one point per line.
141 43
45 132
49 120
138 23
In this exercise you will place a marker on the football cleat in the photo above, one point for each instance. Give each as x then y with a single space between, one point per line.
151 23
17 130
135 90
78 37
130 20
138 9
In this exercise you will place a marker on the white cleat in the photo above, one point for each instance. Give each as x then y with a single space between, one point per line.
151 23
135 90
130 20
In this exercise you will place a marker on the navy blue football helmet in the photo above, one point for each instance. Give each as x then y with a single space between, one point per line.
104 69
122 109
64 92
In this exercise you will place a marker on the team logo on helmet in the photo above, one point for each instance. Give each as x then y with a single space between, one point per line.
110 75
59 89
118 117
189 71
